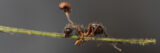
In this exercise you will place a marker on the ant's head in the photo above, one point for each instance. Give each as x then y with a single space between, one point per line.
65 6
68 30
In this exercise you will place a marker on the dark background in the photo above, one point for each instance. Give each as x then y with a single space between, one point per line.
123 19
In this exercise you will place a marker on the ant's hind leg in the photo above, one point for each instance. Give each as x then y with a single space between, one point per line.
115 46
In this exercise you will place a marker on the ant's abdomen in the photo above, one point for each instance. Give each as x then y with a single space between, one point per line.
99 31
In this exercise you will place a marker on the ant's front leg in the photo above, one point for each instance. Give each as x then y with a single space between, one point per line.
79 42
80 32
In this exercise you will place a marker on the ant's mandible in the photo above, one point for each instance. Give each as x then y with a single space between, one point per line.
91 31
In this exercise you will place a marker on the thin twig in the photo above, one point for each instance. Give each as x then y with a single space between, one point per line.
60 35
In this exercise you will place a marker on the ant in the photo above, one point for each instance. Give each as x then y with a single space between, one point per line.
92 30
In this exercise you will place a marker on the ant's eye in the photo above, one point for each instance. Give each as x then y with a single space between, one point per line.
68 30
65 6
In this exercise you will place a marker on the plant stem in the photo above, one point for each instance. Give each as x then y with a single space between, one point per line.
60 35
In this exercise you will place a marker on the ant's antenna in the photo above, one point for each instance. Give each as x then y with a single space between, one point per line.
67 9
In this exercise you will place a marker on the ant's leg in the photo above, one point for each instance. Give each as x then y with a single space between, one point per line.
81 40
89 32
94 30
100 30
115 46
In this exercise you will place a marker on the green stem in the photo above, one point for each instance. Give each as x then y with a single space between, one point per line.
60 35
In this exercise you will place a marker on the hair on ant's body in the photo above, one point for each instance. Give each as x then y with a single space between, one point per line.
93 29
